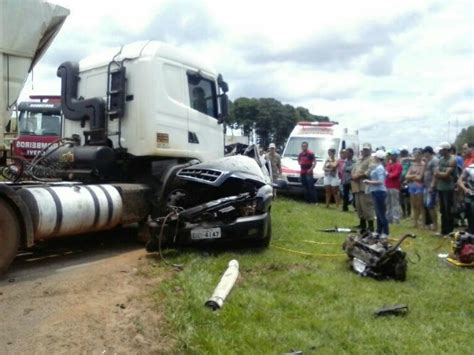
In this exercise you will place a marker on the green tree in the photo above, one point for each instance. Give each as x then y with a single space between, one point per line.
285 125
243 114
271 114
268 118
465 136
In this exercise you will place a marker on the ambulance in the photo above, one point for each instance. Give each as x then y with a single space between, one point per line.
320 136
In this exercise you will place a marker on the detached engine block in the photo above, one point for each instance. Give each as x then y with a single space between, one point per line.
369 255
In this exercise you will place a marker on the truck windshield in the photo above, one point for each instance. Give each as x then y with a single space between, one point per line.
319 145
39 124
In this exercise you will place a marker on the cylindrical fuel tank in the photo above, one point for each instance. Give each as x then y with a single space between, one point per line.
99 158
74 209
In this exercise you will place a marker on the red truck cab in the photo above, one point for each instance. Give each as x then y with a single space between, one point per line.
39 124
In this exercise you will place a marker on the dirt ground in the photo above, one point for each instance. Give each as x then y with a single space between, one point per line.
80 296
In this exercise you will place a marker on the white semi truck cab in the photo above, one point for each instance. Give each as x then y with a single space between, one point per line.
147 98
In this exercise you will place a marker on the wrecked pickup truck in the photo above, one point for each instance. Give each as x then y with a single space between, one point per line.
226 200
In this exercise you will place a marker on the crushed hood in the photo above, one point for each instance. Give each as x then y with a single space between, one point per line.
216 172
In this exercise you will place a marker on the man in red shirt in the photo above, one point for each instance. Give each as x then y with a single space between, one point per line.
468 152
392 183
307 162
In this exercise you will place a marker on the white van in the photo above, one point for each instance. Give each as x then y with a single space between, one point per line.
320 136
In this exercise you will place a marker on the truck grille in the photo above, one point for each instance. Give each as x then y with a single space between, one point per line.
201 174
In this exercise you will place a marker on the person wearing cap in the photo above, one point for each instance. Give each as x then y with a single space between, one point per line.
363 199
392 183
275 160
307 162
444 180
414 178
429 195
405 161
376 187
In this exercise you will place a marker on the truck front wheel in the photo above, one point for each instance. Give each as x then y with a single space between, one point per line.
9 235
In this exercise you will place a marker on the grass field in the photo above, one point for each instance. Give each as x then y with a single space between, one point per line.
285 300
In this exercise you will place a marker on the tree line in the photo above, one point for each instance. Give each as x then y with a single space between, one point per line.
465 136
271 120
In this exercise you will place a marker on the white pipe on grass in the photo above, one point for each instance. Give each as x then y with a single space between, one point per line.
224 286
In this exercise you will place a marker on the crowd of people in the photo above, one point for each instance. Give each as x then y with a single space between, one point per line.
388 185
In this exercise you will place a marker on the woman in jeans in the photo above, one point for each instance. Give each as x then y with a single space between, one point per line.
376 186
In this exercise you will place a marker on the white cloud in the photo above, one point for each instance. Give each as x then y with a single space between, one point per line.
399 73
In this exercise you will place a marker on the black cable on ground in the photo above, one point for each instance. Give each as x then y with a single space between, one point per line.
160 237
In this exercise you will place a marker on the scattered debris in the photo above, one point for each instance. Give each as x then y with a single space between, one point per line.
338 230
373 256
121 305
394 310
462 249
224 286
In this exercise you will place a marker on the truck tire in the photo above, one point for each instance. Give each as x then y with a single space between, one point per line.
9 235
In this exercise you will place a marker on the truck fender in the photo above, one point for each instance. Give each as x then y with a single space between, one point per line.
264 198
23 213
167 173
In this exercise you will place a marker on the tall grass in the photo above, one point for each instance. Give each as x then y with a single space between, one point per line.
284 300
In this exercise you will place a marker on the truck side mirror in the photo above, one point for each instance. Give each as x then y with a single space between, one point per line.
222 84
224 103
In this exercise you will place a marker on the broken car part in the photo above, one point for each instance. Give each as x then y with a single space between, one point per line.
462 249
370 255
225 200
338 230
396 310
224 286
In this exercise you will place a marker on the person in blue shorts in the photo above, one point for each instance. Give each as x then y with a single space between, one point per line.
416 187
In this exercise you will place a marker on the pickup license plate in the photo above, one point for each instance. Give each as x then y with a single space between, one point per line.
209 233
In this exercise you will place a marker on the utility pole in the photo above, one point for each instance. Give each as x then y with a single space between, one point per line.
456 128
449 128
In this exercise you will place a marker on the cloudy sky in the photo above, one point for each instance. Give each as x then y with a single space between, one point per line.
400 72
